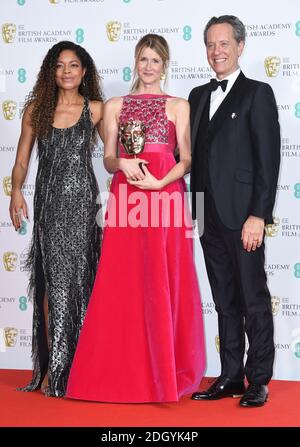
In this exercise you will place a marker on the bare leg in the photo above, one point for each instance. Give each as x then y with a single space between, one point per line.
44 384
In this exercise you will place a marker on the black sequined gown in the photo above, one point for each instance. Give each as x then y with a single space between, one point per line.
65 248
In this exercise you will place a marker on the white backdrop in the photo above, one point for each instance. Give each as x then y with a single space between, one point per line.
31 27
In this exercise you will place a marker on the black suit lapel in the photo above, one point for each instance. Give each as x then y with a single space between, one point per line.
198 114
227 106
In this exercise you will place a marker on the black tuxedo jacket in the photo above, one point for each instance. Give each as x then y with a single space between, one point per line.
243 150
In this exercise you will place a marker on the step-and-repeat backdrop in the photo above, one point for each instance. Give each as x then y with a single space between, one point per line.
109 30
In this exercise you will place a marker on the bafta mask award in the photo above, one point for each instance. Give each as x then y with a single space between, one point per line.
132 135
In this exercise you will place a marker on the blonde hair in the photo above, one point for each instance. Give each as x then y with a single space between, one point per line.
156 43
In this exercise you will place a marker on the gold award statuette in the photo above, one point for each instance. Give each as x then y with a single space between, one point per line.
132 135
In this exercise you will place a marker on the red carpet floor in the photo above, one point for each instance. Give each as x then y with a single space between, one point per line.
19 409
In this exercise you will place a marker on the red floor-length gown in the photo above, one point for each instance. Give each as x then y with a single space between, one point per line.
142 338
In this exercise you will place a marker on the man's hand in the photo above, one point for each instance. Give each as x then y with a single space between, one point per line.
253 233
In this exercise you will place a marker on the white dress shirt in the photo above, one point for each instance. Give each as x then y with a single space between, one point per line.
217 96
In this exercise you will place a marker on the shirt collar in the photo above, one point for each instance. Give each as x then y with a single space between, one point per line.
231 78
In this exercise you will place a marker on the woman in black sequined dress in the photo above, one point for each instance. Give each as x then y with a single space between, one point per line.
61 113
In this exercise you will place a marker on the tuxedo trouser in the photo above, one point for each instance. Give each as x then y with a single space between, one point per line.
242 299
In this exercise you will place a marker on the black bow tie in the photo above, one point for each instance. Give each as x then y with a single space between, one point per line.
214 84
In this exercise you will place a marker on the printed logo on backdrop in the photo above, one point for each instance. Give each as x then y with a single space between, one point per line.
290 308
275 304
286 67
183 72
22 302
282 346
7 301
297 110
5 74
297 190
12 109
22 75
295 345
187 32
79 33
208 308
10 261
217 343
283 108
27 188
107 73
292 190
11 33
10 336
297 270
6 225
289 149
297 350
127 74
21 2
25 338
98 152
7 186
276 269
10 149
116 31
271 230
283 227
9 108
267 29
113 30
297 28
272 66
9 73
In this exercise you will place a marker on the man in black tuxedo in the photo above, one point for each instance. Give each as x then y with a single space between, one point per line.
235 161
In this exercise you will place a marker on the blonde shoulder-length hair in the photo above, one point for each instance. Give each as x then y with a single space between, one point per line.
157 43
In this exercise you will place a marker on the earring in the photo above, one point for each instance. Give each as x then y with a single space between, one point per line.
162 76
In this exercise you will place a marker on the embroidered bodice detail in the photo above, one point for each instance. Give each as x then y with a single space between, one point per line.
151 110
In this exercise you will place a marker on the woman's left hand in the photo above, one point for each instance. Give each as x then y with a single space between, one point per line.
149 182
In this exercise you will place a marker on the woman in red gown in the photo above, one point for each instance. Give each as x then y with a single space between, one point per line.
142 338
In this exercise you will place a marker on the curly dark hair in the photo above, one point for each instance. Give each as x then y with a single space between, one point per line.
44 95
